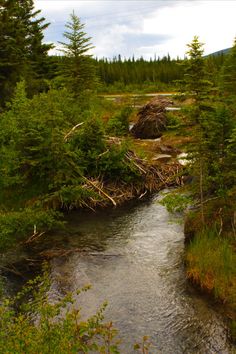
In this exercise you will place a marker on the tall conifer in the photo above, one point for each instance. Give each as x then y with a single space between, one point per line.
78 68
22 52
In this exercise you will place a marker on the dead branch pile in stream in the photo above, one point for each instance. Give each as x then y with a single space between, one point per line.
152 179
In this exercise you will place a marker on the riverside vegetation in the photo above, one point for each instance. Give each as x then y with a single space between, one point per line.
209 120
63 147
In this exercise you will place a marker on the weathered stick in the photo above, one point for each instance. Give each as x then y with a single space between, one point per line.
100 190
73 129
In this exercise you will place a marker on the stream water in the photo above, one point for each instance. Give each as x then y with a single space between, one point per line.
133 257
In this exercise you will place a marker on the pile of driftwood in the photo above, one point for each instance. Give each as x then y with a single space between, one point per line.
152 179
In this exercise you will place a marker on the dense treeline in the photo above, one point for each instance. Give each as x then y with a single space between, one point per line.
154 71
119 74
138 71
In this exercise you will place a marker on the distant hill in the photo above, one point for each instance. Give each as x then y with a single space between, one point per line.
219 52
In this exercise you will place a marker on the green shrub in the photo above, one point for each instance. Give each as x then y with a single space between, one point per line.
114 166
175 202
39 326
173 121
118 124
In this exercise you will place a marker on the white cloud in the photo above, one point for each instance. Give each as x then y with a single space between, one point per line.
212 21
110 23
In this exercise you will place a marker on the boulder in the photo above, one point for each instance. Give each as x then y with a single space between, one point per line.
151 119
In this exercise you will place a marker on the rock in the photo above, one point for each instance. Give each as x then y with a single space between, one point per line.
151 119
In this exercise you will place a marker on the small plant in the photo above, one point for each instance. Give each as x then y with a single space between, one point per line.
39 326
144 346
176 203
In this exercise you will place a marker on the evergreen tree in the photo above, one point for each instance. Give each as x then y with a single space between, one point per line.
228 77
22 53
78 68
195 78
211 126
197 87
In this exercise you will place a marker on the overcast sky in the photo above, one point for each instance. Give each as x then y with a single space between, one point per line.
145 27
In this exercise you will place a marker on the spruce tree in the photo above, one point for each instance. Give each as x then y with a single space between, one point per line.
22 52
228 75
196 86
211 125
78 68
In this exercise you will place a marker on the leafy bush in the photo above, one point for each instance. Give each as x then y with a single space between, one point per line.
39 326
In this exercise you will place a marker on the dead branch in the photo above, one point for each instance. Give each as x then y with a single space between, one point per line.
12 270
100 190
72 130
34 237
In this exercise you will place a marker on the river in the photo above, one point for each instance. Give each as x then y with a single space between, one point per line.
133 257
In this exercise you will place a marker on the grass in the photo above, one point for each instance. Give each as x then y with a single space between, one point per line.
211 263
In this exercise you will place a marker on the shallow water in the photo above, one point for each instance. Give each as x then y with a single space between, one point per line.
132 256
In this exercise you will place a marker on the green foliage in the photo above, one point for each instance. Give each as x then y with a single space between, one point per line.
22 52
40 326
34 139
129 75
195 77
15 226
211 127
216 128
173 121
48 150
115 167
176 203
100 158
118 124
89 143
144 346
228 74
233 329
